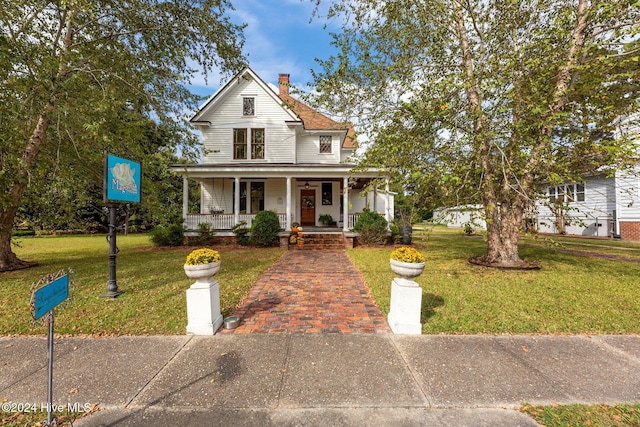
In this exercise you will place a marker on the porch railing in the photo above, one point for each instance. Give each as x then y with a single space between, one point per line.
226 221
222 221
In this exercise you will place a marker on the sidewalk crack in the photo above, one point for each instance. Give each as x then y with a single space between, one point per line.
173 356
412 372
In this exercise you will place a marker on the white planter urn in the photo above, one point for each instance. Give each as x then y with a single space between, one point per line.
407 270
203 299
406 298
202 271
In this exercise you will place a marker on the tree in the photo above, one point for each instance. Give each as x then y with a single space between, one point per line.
469 102
79 77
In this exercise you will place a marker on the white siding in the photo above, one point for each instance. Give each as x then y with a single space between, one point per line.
592 217
309 149
628 195
217 139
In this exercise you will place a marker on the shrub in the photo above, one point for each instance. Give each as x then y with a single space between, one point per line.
206 234
242 233
171 235
265 229
372 228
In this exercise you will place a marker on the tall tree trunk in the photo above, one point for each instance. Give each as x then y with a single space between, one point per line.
8 259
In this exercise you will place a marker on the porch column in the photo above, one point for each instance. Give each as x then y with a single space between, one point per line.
236 203
185 197
288 208
387 212
345 204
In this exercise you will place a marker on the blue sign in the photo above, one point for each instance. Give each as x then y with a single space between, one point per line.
123 178
49 296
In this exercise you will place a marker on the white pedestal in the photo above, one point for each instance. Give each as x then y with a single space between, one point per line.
406 304
203 308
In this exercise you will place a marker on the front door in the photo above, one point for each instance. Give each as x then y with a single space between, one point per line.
308 207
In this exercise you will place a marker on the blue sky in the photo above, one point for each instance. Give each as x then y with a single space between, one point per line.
279 38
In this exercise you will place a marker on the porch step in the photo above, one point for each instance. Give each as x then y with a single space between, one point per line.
313 241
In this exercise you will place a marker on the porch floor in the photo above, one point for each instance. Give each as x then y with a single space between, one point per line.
310 292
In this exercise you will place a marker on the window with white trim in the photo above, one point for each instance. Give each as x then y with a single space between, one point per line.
240 144
250 141
257 144
325 144
248 106
566 193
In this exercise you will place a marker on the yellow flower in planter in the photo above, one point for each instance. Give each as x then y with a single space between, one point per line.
407 254
202 256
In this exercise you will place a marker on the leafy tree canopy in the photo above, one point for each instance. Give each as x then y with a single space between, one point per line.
468 102
79 77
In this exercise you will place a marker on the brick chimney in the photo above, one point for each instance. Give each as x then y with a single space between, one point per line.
283 81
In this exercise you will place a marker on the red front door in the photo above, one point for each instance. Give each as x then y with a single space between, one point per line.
308 207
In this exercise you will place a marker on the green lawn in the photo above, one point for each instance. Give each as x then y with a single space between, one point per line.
153 281
570 294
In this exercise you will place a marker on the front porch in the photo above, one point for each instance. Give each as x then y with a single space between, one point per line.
225 222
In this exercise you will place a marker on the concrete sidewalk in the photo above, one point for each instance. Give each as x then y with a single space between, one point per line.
321 379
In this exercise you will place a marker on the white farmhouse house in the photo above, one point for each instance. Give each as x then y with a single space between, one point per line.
264 150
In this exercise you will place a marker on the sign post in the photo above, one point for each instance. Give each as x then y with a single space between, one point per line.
43 301
122 180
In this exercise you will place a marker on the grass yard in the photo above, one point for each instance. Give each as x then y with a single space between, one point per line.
570 295
153 281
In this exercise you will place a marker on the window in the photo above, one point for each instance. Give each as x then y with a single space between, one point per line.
243 197
566 193
257 197
325 144
239 144
257 143
327 193
248 106
580 192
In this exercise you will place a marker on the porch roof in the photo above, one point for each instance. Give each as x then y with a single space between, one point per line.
273 170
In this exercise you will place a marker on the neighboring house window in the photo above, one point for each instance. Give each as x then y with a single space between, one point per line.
257 143
239 144
325 144
566 193
248 106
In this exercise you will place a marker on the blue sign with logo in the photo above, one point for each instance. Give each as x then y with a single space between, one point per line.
51 295
123 178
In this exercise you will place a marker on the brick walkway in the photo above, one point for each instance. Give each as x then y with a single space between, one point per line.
310 292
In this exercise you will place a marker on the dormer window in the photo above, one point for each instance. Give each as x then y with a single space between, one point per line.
325 144
248 106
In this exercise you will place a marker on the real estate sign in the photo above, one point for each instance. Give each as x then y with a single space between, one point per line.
122 179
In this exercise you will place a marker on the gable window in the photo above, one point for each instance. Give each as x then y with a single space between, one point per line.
257 144
566 193
239 144
325 144
248 106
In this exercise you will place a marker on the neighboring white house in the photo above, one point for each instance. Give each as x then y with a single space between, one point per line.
459 216
264 150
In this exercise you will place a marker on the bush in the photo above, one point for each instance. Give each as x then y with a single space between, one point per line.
372 228
206 234
242 233
265 229
171 235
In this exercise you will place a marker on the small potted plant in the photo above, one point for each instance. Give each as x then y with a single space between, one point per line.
325 219
202 263
407 262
